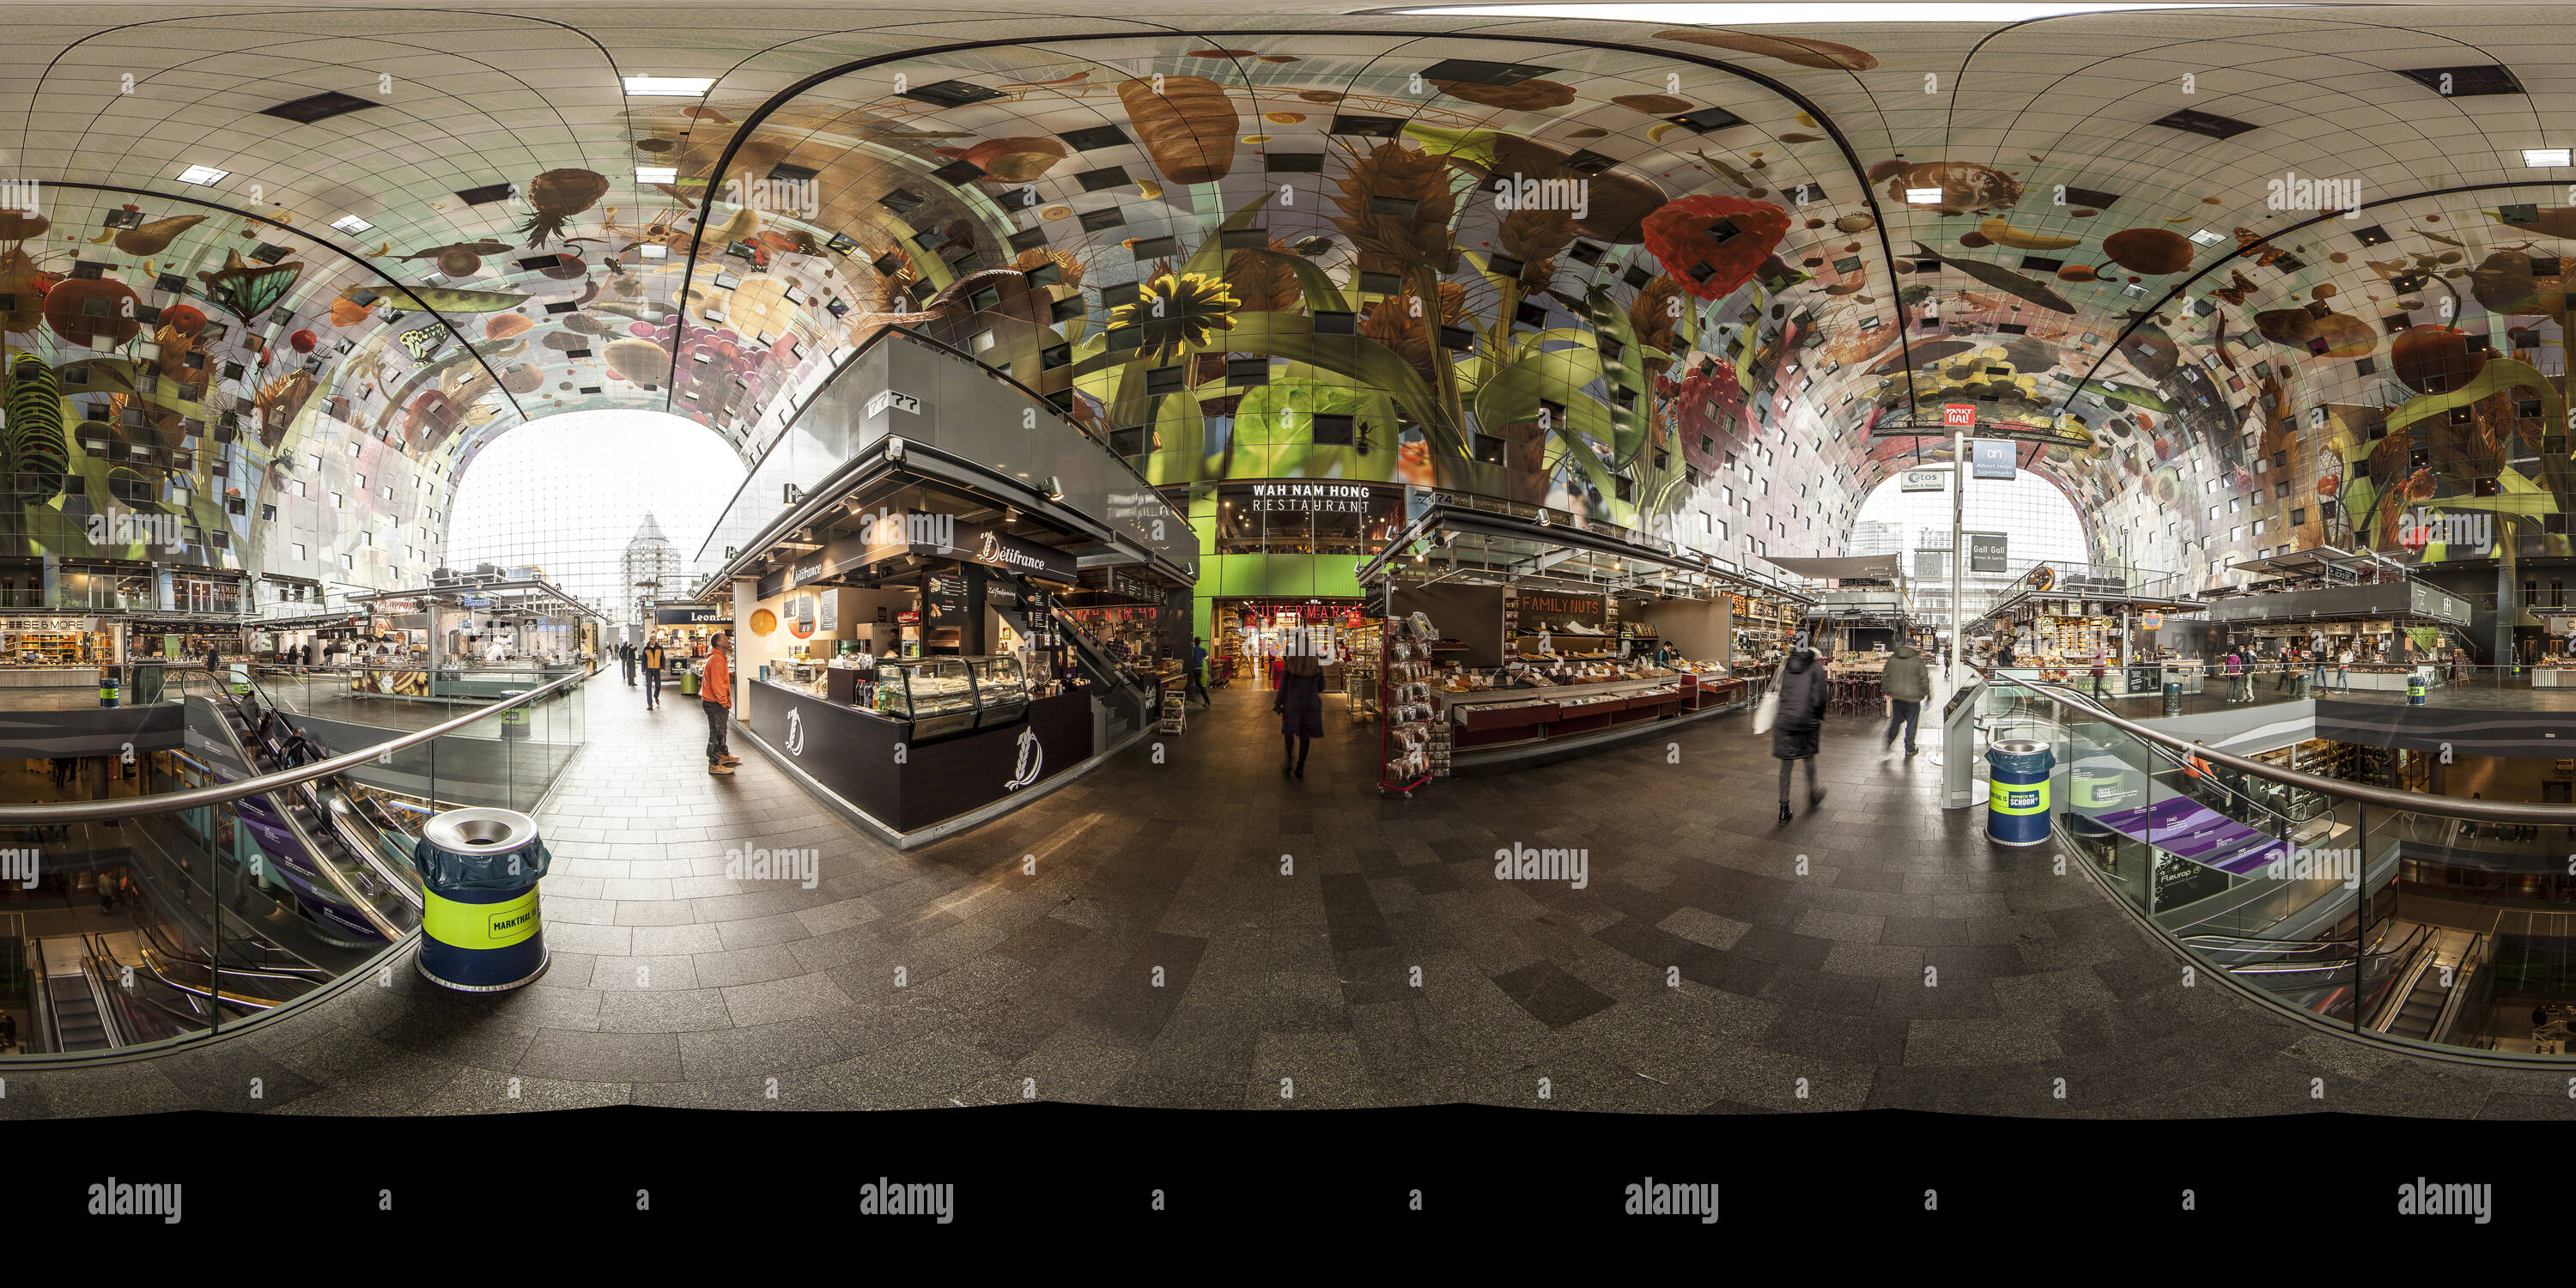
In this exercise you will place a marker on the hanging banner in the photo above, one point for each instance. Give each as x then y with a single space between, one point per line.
1986 551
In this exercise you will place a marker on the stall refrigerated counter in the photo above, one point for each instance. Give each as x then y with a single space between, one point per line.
947 737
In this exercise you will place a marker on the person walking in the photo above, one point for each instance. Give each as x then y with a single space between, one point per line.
1799 725
715 693
2235 668
651 661
626 662
2098 672
2343 669
2282 659
1198 668
2195 769
1907 682
1299 700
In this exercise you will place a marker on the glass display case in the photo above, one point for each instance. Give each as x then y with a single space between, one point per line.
936 694
1001 690
945 695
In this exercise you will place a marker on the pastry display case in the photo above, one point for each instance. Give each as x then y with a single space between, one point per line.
1001 690
935 695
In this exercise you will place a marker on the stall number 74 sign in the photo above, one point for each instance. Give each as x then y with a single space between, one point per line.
1959 415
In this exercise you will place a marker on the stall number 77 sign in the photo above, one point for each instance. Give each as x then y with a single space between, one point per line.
1959 415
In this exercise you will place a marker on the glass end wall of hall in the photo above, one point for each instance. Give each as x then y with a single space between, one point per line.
164 926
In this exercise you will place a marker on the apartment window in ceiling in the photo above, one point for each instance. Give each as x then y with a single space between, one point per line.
362 481
349 563
312 462
2258 527
339 502
297 551
298 485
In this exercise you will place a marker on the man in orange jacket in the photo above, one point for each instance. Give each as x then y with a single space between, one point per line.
715 693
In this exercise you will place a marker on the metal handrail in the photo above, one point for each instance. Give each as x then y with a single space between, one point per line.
2387 797
171 802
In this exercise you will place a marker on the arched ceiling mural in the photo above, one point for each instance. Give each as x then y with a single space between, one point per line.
1739 257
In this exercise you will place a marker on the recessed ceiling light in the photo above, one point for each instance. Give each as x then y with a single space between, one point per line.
351 224
657 251
2207 238
657 174
1923 196
2545 156
204 175
669 86
1744 15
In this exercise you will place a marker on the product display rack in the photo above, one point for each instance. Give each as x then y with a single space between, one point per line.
1410 744
1176 703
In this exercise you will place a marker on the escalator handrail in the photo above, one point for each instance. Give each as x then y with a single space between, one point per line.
111 1012
124 807
2482 811
322 863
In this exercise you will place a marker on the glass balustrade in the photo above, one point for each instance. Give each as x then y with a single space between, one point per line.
162 927
2409 926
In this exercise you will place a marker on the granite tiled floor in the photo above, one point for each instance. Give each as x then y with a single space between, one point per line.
1203 932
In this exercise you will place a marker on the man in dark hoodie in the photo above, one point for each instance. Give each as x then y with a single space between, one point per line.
1907 681
1800 723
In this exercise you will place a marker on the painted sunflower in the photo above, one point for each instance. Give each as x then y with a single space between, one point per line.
1176 312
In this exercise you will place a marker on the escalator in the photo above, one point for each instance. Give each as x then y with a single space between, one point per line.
78 1017
348 887
2436 980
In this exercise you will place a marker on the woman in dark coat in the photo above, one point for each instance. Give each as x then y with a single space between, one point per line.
1795 731
1300 704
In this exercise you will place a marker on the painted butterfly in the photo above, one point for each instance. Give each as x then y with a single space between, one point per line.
245 290
425 341
2235 294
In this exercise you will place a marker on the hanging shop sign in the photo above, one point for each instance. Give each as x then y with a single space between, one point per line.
1003 591
1958 415
691 615
1993 458
889 398
1921 481
1986 551
2151 621
52 625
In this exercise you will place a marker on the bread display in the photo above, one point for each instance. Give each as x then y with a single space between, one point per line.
1188 128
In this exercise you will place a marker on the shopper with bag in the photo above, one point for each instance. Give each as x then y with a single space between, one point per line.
1798 721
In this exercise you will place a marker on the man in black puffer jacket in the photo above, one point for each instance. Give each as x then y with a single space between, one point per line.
1804 694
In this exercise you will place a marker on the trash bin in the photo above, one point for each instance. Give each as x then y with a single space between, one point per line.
110 685
2173 697
2017 795
479 928
2415 681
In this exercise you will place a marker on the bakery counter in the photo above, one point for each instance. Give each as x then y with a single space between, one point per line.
911 791
2544 677
83 676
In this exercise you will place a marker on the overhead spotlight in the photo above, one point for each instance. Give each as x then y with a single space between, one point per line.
1055 488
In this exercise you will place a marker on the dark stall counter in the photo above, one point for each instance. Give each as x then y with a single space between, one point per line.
933 788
